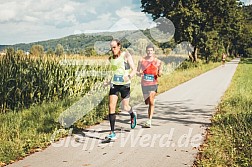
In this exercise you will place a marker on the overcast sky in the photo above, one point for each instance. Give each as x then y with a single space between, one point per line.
36 20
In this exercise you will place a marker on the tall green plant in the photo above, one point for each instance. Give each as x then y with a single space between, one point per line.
27 80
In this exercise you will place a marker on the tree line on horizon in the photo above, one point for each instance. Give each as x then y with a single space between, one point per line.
212 27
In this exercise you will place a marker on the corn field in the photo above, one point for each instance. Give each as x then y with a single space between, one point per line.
26 80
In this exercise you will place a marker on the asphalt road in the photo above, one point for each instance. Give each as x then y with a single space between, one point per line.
181 117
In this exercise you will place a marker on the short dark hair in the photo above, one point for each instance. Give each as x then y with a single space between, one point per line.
149 46
117 41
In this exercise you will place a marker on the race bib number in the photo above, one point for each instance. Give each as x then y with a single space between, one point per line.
148 77
118 78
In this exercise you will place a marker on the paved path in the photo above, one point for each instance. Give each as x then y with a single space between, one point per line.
180 120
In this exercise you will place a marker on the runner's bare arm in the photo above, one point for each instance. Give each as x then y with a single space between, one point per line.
131 64
107 80
160 68
139 73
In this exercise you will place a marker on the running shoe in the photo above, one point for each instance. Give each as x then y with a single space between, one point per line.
111 136
133 121
147 124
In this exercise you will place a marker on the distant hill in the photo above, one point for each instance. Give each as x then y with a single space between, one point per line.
72 43
77 43
3 46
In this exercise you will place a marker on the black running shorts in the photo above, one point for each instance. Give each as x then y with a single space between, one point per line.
124 90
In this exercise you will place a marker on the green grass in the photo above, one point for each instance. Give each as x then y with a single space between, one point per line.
184 74
25 131
229 139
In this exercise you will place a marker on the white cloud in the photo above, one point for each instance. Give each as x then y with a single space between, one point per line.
44 11
8 11
35 20
139 19
123 24
68 8
77 32
6 15
30 19
127 12
105 16
247 2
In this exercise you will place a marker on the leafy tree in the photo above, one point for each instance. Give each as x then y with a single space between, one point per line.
10 51
50 52
90 52
185 16
202 23
141 46
20 52
230 25
244 44
59 51
82 52
37 50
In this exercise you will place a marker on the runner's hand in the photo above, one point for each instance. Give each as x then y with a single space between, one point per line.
126 78
106 83
139 74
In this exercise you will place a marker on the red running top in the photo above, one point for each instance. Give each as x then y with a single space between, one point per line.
150 71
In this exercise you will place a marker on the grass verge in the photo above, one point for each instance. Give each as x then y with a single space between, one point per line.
229 139
29 131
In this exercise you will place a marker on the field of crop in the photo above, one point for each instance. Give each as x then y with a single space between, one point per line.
26 80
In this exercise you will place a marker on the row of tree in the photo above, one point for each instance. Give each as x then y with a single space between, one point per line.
84 44
211 26
38 50
73 44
